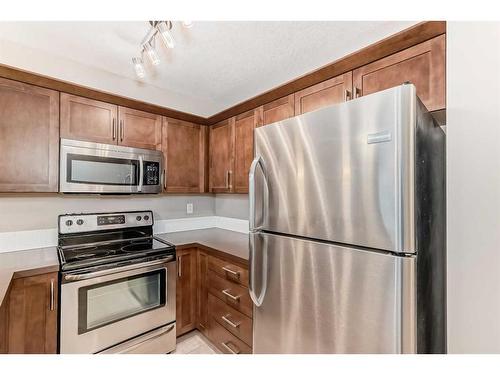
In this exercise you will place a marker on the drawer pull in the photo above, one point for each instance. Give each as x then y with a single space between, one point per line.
230 271
228 321
226 345
227 294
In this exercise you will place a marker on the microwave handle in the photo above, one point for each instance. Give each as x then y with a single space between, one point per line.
141 173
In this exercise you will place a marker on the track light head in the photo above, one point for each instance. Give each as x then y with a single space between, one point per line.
164 28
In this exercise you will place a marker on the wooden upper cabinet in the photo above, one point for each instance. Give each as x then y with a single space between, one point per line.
244 126
29 138
88 120
335 90
277 110
184 147
32 315
221 156
139 129
423 65
186 293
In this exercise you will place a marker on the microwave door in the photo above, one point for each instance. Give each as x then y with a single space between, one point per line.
108 169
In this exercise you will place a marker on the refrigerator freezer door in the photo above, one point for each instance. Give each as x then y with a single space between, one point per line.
315 297
343 173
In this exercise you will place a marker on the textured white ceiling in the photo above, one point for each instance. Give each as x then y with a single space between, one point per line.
214 65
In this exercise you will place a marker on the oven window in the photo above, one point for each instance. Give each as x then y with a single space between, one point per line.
102 170
109 302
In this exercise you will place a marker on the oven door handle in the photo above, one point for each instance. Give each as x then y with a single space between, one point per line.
91 275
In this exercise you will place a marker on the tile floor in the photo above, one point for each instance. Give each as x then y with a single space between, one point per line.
194 343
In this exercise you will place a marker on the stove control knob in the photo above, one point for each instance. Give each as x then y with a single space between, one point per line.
138 218
69 223
79 221
146 217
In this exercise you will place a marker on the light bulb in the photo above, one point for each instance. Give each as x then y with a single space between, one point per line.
139 67
151 52
165 35
187 24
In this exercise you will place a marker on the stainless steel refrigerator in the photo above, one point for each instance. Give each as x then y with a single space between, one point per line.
347 229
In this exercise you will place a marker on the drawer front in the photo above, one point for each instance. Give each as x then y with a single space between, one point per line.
225 341
235 322
228 270
233 294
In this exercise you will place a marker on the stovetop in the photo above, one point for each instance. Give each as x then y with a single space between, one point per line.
102 247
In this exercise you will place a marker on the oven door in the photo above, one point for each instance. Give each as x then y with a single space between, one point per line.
87 167
101 310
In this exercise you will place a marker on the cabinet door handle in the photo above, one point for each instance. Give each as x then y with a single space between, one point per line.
226 345
179 266
356 92
114 128
52 302
229 175
230 271
227 180
122 131
227 294
347 95
164 179
228 321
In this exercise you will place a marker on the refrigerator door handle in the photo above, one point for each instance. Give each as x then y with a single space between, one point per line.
257 162
256 271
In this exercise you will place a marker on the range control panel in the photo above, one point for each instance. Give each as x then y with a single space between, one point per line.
79 223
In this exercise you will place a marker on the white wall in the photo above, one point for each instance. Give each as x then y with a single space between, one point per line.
473 167
232 205
40 211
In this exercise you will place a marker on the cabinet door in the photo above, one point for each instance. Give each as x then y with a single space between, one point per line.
222 156
184 147
335 90
202 286
277 110
186 291
244 125
88 120
29 138
423 65
33 315
139 129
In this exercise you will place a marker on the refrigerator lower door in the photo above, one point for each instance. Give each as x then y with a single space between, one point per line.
313 297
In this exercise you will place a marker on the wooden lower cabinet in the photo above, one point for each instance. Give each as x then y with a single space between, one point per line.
186 291
217 293
202 291
32 315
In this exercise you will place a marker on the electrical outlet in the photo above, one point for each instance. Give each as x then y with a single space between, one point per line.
189 208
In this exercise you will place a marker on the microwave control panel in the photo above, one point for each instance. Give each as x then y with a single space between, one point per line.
151 173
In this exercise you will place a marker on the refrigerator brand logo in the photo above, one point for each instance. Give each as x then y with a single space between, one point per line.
379 137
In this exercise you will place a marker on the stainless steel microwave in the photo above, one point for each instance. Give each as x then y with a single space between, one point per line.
87 167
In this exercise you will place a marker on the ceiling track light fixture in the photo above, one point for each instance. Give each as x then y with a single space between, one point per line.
163 30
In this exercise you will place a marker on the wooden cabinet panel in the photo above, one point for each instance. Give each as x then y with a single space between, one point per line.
32 315
228 270
139 129
186 291
29 138
202 286
184 147
244 125
332 91
277 110
225 341
231 293
235 322
88 120
222 156
423 65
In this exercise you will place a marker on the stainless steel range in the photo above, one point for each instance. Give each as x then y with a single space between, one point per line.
117 285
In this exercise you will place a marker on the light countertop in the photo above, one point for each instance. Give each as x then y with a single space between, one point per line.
26 263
